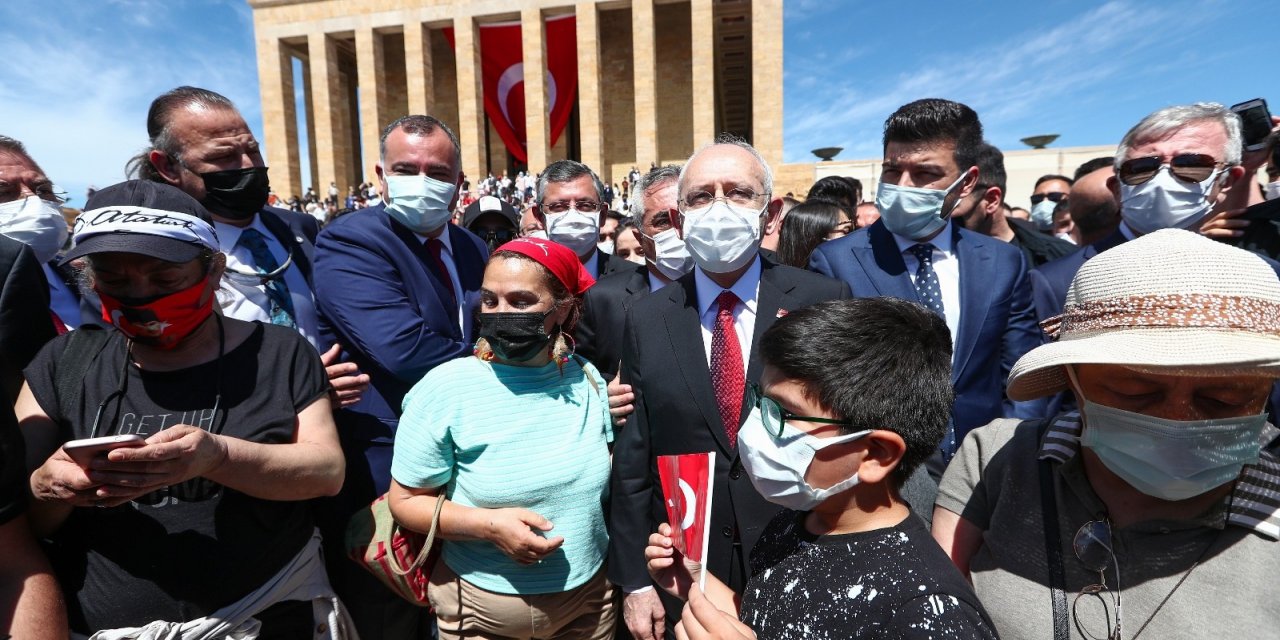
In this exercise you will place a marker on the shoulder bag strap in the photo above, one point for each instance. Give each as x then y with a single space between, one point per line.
426 545
1053 550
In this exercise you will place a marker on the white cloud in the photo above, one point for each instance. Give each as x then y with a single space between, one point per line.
1031 78
76 89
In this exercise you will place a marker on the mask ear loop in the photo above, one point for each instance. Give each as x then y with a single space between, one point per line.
121 388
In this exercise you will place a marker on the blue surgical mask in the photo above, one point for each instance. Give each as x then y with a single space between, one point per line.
1042 214
1171 459
1166 202
419 202
913 212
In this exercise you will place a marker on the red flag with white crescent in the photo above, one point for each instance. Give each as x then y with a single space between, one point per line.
502 77
687 488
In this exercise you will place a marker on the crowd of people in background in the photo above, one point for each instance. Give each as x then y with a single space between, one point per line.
933 414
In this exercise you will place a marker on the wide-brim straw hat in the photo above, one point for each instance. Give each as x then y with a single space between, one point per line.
1171 299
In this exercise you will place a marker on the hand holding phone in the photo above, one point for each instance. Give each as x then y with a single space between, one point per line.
83 451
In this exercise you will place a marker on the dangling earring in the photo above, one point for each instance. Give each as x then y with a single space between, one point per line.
561 351
482 350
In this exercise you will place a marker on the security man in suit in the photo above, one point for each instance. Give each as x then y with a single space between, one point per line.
689 354
571 206
398 286
599 333
977 283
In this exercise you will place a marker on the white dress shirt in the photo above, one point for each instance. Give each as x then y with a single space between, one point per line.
747 288
446 256
946 265
249 302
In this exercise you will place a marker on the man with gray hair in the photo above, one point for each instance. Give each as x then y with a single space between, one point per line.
399 285
689 353
570 203
1171 170
653 203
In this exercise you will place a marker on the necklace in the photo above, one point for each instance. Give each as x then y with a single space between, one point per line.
1199 559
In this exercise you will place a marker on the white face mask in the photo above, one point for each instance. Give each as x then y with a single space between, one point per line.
574 229
722 237
1042 214
1273 190
1065 236
914 212
777 466
37 223
539 234
606 247
672 259
419 202
1166 202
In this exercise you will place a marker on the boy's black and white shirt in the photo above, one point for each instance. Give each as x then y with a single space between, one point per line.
888 583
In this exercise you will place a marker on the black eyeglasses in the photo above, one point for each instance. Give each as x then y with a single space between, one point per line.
775 417
581 206
1052 196
1187 167
1093 547
258 278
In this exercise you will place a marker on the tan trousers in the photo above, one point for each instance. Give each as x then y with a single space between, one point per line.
464 610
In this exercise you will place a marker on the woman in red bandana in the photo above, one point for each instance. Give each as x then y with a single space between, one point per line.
201 529
517 438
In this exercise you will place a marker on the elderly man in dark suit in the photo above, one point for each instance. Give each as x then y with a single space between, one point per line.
397 285
604 306
689 354
976 282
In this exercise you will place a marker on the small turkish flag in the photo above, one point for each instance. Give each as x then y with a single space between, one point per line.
687 486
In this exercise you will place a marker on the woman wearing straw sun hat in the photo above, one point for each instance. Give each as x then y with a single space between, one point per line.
1131 516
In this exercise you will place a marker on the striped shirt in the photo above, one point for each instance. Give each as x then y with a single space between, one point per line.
508 436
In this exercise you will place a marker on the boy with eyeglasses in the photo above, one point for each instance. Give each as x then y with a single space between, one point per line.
855 394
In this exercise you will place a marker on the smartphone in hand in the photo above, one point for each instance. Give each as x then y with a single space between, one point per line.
84 450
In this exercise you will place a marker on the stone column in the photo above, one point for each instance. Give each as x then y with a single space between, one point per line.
331 141
766 79
537 131
279 117
470 96
373 100
646 85
702 29
419 77
590 100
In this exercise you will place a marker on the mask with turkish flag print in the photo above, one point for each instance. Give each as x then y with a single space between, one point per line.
162 322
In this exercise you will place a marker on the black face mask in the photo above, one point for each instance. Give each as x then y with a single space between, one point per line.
236 194
515 337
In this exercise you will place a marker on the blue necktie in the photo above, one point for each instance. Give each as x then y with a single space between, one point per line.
927 286
277 293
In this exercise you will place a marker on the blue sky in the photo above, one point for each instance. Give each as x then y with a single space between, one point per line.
77 75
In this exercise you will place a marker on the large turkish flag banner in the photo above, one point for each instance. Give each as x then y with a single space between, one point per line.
502 71
687 487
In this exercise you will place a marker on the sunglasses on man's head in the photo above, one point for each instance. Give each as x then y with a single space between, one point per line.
1187 167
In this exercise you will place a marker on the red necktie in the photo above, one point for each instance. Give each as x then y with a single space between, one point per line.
726 366
435 246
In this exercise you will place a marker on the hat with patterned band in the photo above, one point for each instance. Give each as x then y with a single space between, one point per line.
1171 299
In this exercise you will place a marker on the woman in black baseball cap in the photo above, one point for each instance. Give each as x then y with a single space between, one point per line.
186 527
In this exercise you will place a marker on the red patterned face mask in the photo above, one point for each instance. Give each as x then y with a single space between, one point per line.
161 323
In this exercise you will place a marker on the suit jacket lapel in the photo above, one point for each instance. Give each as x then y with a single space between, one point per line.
878 254
419 250
773 299
466 257
975 294
684 329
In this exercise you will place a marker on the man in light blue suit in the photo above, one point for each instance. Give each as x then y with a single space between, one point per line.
397 285
977 283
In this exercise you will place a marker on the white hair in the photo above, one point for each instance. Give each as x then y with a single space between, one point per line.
656 177
1169 119
766 173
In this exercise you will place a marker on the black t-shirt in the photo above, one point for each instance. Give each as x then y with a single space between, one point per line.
13 485
182 552
888 583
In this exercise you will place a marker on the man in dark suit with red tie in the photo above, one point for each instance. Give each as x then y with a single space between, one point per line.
689 354
397 286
